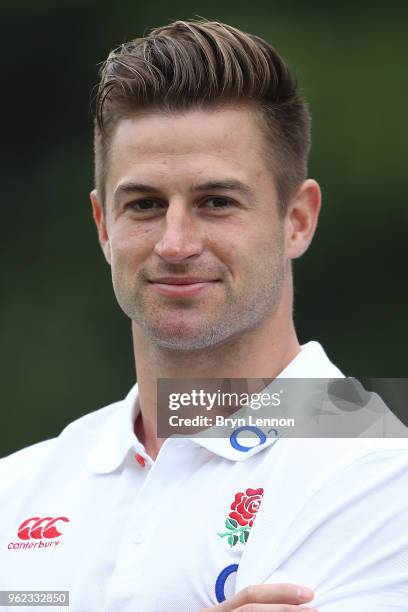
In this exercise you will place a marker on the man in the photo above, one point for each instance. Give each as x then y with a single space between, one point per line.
201 203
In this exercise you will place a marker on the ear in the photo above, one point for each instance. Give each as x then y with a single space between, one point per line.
100 222
301 218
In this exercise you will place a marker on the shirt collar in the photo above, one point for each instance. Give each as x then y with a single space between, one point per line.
118 438
310 362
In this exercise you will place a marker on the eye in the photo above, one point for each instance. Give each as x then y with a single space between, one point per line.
218 203
145 205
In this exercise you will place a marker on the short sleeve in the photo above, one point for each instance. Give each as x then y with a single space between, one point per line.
350 541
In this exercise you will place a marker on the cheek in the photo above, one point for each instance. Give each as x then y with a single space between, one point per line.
131 243
241 245
225 249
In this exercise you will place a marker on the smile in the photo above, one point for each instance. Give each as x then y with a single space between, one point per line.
181 287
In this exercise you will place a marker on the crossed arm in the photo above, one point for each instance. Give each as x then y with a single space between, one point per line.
349 542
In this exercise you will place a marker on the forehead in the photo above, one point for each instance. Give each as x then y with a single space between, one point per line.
211 141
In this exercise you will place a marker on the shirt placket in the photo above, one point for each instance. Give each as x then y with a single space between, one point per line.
125 590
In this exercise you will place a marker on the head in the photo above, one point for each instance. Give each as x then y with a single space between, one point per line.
200 65
201 146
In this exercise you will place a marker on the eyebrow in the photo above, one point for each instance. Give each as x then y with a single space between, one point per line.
224 184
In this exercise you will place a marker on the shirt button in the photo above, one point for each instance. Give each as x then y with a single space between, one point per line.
141 461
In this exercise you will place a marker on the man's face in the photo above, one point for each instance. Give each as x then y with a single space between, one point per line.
190 199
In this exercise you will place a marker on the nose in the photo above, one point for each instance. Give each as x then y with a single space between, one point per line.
181 237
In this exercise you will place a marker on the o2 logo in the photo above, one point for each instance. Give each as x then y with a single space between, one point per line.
240 447
222 579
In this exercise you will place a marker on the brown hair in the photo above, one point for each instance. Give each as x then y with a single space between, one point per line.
199 64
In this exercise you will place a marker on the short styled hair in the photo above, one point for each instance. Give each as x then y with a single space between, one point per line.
199 65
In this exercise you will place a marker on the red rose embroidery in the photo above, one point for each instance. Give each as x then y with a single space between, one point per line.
239 522
245 506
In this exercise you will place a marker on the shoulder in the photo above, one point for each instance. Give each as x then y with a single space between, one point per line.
373 466
328 475
26 462
323 460
18 465
350 480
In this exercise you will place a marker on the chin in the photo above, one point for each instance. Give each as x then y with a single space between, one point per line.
181 338
176 341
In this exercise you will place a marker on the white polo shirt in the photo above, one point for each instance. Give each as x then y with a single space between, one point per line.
90 512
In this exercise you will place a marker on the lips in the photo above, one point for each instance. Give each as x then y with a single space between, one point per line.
181 286
182 280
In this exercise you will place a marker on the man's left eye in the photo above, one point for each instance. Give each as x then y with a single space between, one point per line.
217 203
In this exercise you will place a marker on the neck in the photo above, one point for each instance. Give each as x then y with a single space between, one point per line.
262 352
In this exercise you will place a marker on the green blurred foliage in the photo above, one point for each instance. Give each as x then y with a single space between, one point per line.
66 346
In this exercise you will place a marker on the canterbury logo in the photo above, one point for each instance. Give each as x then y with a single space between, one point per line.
37 528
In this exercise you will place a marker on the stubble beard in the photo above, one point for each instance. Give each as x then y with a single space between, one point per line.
170 327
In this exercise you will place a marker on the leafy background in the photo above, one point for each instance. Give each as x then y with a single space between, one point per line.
66 347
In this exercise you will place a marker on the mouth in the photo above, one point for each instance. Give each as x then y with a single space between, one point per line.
181 286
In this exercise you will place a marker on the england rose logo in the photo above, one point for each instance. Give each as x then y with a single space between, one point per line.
240 520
